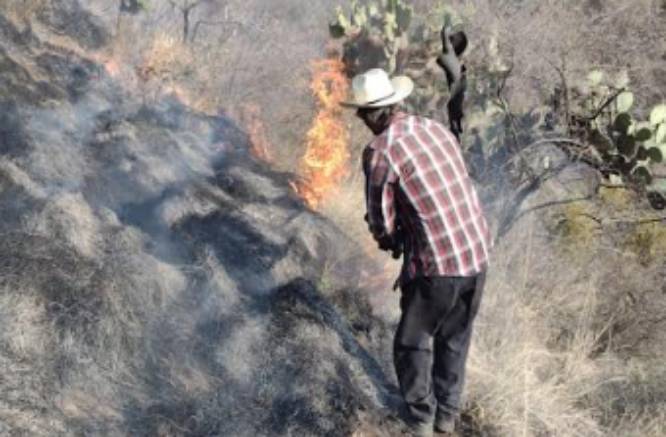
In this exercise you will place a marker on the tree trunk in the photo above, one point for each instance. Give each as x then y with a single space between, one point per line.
186 24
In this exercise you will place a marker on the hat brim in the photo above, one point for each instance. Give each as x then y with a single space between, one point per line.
402 86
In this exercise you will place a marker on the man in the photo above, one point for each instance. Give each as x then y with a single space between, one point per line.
421 202
453 45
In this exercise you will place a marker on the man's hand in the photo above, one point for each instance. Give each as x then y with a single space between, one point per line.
391 243
385 242
449 59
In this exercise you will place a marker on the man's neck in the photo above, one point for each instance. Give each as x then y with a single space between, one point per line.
397 114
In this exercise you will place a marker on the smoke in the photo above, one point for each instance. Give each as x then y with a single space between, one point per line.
174 284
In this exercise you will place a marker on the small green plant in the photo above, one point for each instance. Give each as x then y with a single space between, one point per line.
626 147
647 242
578 229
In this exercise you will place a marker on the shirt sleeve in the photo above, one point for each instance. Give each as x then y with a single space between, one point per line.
381 181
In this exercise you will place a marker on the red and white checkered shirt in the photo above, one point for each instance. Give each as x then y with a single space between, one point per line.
416 181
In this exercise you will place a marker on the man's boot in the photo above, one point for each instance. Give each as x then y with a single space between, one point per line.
421 429
445 423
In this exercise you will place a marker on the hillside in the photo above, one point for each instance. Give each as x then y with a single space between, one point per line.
156 278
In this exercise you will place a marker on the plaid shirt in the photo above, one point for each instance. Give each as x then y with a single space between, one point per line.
418 191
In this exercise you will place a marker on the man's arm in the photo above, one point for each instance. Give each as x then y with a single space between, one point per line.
380 198
456 79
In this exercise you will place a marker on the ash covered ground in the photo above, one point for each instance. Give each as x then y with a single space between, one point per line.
156 278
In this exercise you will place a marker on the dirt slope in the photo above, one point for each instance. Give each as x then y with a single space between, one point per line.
156 280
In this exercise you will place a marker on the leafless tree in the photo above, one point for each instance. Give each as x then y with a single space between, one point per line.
186 7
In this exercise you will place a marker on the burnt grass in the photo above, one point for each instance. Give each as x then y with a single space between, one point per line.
164 298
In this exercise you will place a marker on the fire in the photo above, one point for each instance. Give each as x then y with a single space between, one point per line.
110 63
325 162
112 67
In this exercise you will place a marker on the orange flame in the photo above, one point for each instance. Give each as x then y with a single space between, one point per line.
112 67
325 162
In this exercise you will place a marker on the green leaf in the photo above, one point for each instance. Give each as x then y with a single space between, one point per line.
390 27
373 9
658 114
403 17
336 30
657 199
643 135
622 123
595 77
660 135
359 17
642 154
625 101
342 18
626 145
642 173
631 130
655 154
640 125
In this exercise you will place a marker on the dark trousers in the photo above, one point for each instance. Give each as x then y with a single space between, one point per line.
432 342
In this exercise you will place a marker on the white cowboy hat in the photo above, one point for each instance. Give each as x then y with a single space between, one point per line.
374 89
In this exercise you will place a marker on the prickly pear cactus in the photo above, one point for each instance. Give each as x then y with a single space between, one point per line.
381 33
375 32
629 149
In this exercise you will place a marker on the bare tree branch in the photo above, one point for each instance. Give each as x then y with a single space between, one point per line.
565 90
610 100
512 124
186 7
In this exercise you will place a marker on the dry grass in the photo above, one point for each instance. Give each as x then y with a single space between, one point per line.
21 11
647 242
520 384
543 361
